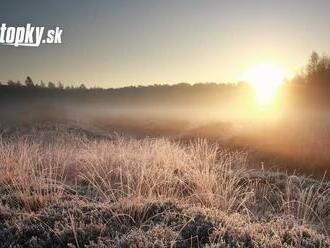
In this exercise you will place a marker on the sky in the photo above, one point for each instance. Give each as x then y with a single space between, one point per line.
115 43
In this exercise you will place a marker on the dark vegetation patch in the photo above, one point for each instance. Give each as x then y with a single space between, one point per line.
79 223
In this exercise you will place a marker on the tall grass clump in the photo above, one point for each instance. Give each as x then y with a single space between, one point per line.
306 201
32 174
162 169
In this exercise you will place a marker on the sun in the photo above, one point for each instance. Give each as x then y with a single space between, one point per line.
265 78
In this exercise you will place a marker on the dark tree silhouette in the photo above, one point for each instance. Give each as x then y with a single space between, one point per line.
51 85
29 82
42 84
16 84
60 85
318 71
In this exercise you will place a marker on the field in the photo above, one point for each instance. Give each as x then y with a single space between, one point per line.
68 185
165 124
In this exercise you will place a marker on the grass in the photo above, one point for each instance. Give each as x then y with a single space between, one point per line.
64 188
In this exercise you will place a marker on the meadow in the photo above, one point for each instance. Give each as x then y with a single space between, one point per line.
66 185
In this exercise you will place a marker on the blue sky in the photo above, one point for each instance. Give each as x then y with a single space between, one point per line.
125 42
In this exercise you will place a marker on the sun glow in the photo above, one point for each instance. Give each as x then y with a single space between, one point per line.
265 79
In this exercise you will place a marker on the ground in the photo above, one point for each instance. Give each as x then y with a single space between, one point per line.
66 186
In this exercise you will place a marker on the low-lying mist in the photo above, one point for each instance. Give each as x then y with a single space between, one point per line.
290 133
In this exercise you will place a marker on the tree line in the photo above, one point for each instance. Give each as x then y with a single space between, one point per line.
30 83
315 73
311 84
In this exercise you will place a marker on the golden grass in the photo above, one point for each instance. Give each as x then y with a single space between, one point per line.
161 169
40 170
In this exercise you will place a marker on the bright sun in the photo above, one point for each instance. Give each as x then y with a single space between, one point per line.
265 78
